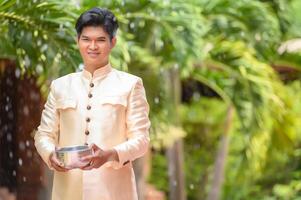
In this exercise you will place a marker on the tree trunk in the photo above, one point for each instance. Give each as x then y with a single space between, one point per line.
221 157
20 112
175 171
175 153
140 170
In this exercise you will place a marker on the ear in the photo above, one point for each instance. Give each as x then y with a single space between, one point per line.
113 42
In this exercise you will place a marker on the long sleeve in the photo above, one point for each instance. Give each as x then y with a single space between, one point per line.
46 135
138 124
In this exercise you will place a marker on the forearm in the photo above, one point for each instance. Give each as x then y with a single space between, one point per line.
45 145
132 149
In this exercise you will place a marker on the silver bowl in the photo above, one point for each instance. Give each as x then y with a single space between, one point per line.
71 156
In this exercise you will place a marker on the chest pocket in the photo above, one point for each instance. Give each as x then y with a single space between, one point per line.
119 100
67 110
65 104
113 107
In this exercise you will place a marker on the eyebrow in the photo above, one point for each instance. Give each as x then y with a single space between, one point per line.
102 37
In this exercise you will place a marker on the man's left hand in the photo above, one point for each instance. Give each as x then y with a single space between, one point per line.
99 157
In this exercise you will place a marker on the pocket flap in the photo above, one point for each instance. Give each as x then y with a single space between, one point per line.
121 100
66 103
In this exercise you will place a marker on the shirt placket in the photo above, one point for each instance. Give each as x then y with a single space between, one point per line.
89 110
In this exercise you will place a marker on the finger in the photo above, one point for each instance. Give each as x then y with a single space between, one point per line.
94 147
87 158
57 161
89 166
59 168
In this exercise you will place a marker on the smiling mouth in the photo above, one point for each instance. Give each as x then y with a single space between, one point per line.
92 54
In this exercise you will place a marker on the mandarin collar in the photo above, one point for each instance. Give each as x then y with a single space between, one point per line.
101 72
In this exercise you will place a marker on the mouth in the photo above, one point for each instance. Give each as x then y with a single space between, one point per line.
93 54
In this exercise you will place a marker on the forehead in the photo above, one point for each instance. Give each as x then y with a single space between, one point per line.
94 31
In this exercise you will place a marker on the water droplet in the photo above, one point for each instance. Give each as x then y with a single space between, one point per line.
26 110
21 145
35 33
196 96
24 179
27 143
34 96
20 162
39 68
9 82
27 61
43 57
141 24
45 37
17 73
29 154
132 25
257 37
14 173
68 24
11 155
44 47
9 137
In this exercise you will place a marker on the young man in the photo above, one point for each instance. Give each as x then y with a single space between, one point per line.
101 107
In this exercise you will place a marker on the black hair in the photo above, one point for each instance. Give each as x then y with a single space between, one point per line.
97 17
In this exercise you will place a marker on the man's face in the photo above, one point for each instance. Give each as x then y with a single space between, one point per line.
95 46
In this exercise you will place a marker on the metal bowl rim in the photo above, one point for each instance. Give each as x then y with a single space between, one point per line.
76 148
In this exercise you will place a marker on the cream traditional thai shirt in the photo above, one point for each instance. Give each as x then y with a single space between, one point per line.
108 108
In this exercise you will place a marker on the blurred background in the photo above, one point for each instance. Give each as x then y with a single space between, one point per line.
223 79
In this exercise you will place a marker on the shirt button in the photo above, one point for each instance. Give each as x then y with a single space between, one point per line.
88 119
87 132
88 107
90 95
91 84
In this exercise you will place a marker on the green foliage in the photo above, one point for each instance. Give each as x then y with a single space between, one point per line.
228 45
159 176
202 121
277 164
38 35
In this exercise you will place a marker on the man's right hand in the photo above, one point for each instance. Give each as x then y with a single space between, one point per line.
56 164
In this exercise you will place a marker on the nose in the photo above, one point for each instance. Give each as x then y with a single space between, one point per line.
93 45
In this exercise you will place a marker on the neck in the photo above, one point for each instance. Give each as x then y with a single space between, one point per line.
93 68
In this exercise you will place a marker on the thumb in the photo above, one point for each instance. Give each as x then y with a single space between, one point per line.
94 147
56 160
